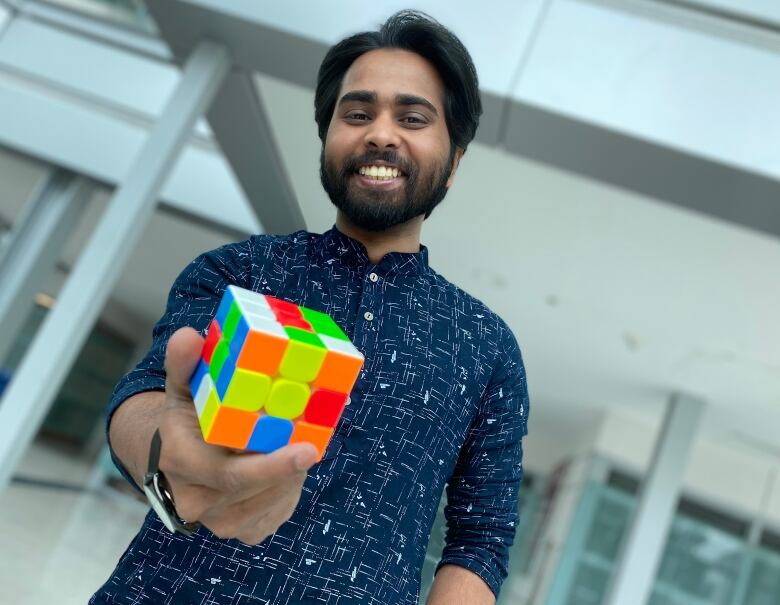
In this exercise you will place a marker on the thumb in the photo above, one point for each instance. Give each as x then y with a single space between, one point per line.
277 466
181 358
304 455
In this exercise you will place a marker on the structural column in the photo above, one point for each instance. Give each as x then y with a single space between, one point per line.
66 327
37 239
641 552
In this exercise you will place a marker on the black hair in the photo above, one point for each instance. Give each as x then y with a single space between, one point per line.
419 33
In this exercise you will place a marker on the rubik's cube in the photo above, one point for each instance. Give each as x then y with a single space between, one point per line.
272 373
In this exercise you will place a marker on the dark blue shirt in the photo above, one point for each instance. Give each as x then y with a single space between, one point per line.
442 399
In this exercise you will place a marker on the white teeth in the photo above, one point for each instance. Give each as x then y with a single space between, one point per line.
380 173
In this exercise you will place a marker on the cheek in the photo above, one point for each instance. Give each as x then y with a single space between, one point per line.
431 148
336 148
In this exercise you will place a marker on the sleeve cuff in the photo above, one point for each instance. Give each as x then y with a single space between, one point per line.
476 566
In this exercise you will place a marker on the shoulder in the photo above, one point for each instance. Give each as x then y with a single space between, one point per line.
470 308
487 327
238 260
265 244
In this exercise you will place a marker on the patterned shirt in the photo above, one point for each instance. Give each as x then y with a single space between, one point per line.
441 400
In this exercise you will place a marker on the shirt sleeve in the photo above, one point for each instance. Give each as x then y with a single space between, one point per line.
192 301
482 494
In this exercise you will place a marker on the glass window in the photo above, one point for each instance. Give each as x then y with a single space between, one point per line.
706 561
590 584
608 527
78 409
764 583
701 564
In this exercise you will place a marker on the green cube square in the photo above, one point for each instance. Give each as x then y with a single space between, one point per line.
323 324
231 322
221 353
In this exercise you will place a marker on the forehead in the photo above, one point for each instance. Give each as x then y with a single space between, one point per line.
390 72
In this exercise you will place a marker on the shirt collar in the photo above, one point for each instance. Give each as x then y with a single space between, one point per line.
336 245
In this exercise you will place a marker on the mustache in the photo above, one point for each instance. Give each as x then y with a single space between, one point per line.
353 163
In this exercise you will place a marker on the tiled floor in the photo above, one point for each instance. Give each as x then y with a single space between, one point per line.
59 546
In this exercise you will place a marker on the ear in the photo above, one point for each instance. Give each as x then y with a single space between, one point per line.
455 163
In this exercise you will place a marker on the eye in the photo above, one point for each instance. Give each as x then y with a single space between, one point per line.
356 116
414 120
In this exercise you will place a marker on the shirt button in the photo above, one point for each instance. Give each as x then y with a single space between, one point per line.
373 277
368 315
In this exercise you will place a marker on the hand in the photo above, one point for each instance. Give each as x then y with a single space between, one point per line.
241 495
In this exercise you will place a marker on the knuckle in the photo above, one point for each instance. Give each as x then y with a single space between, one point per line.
252 538
222 530
219 533
262 530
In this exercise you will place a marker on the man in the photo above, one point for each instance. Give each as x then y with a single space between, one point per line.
441 399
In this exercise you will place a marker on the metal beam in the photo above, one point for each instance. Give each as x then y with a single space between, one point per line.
36 243
65 329
238 118
249 145
641 552
683 179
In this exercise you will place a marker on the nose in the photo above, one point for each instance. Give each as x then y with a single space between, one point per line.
382 133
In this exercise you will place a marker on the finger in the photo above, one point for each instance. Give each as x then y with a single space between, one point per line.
266 524
253 519
249 474
181 357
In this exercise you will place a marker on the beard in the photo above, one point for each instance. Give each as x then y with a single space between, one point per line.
380 210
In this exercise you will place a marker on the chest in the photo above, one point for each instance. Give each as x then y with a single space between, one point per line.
425 364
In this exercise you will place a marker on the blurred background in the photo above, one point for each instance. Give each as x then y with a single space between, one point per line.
622 208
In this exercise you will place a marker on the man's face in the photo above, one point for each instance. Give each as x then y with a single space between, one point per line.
387 156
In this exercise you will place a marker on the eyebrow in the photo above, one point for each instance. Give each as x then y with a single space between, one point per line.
406 99
368 96
360 96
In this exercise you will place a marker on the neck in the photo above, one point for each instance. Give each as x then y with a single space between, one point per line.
401 238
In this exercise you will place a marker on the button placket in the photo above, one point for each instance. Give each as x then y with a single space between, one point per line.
373 277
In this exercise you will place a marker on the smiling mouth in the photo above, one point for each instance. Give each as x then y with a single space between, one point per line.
374 172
